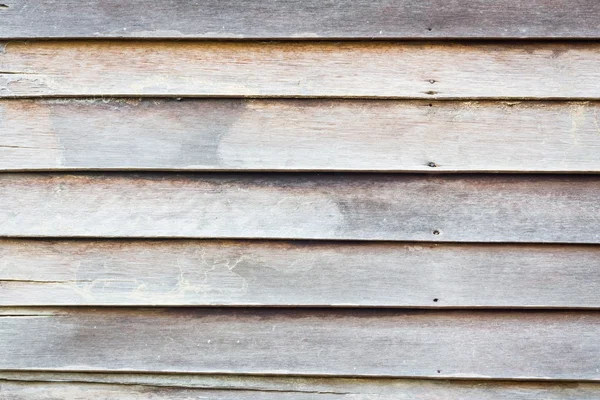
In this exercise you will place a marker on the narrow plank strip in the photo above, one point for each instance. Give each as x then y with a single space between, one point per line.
499 345
308 387
301 388
292 135
256 19
462 208
94 273
280 69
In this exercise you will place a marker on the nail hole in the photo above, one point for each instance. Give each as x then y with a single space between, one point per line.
435 300
432 164
439 371
429 29
432 81
430 105
436 232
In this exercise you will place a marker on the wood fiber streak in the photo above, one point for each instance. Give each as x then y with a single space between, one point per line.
293 69
292 135
498 345
188 273
461 208
308 19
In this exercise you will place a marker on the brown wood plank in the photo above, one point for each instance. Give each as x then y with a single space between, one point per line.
300 19
292 135
495 345
176 273
312 386
324 386
292 69
186 387
461 208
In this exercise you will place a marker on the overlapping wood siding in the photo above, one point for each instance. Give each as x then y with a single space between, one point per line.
302 200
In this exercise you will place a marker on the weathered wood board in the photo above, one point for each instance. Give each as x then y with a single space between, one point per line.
186 387
256 273
495 345
460 208
314 385
256 19
293 135
291 69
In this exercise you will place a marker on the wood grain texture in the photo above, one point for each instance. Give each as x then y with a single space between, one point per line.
254 273
292 135
186 387
257 19
317 69
462 208
497 345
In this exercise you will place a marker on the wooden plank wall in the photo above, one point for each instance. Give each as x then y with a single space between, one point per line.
302 200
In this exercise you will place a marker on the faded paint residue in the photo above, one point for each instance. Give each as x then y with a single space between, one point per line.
193 278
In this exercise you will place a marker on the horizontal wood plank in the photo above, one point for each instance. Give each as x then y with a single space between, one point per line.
316 384
256 19
496 345
186 387
461 208
312 69
176 273
293 135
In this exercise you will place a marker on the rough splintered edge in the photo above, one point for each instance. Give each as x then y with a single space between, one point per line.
133 101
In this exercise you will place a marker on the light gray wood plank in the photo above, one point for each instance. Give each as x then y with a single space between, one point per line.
461 208
495 345
248 387
318 69
240 273
299 19
292 135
